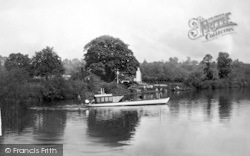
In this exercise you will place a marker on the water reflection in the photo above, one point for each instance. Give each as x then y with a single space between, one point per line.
212 102
191 121
49 125
208 107
225 107
112 127
15 120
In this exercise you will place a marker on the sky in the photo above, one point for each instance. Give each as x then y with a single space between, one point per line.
154 29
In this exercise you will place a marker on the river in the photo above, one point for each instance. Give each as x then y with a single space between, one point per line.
205 123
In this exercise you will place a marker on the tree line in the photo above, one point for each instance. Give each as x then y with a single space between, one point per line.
194 73
40 78
45 63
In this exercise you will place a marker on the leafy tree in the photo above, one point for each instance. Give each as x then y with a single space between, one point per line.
188 61
194 62
194 79
14 85
189 64
47 63
2 60
173 60
106 54
71 66
17 61
224 65
165 71
54 90
237 70
76 68
207 60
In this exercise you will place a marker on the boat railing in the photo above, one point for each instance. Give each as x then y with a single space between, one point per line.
143 96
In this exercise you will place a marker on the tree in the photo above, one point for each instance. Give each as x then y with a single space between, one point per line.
47 63
14 86
17 61
106 54
224 65
72 66
76 68
207 60
2 62
188 61
174 61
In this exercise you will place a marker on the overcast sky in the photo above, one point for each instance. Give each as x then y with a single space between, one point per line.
154 29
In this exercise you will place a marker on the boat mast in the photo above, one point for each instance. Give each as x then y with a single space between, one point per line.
117 76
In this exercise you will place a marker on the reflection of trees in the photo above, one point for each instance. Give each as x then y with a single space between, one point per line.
209 97
187 97
241 94
225 106
15 119
112 127
49 125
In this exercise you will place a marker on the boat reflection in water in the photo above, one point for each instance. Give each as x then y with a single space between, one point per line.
192 123
112 127
117 126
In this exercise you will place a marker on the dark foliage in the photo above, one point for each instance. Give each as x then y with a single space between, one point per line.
47 63
18 61
224 65
105 55
207 60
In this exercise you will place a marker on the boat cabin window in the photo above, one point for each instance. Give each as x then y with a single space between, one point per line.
103 99
98 100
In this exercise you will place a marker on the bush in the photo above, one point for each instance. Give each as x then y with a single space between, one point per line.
52 90
59 89
15 88
78 87
194 79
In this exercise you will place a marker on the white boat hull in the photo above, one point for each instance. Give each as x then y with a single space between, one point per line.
131 103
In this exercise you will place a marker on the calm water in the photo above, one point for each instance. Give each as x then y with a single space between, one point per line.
193 124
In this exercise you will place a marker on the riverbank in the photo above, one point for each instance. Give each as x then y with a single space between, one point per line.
223 83
185 86
73 107
18 89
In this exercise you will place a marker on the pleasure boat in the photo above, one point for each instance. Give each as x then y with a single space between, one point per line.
109 100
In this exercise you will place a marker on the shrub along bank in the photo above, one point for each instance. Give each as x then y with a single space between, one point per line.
220 84
18 88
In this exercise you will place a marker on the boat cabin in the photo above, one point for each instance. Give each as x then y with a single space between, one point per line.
103 98
107 98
